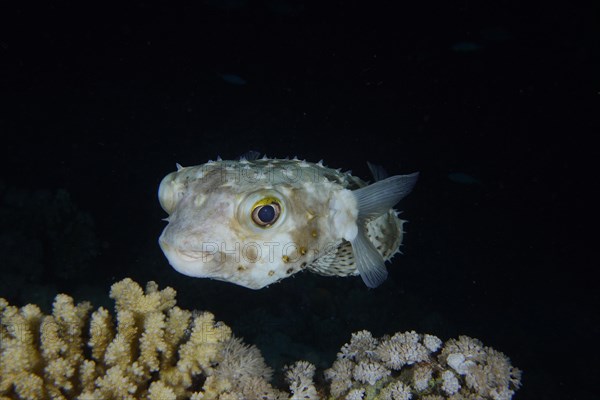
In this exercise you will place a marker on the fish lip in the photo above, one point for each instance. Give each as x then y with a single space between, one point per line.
192 255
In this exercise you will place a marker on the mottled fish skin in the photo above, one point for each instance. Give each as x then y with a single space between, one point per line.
211 232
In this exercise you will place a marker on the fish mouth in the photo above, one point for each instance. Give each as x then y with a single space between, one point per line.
193 262
188 254
192 255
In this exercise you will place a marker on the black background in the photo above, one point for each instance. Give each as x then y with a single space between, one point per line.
102 101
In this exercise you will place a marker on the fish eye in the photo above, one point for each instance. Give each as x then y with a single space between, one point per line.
266 212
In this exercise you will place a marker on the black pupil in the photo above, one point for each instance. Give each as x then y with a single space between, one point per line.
266 214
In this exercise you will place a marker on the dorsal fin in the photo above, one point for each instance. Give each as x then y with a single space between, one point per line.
250 155
378 172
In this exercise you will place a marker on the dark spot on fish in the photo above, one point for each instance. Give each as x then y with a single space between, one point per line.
250 253
289 271
303 265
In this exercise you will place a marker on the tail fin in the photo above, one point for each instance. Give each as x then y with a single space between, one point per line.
374 200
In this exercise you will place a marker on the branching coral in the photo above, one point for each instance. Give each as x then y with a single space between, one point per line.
300 378
412 366
156 350
152 349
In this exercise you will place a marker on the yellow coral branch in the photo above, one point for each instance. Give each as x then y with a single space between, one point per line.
146 354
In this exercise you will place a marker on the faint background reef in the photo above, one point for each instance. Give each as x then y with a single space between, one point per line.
44 237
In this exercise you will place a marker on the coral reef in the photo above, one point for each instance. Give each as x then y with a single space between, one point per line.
409 365
152 349
155 350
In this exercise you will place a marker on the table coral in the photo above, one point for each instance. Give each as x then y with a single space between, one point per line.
152 349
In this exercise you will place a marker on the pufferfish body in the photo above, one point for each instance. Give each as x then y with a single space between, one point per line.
254 222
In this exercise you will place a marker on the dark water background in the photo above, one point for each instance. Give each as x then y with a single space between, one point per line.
492 102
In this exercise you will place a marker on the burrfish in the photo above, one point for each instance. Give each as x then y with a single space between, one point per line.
254 222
